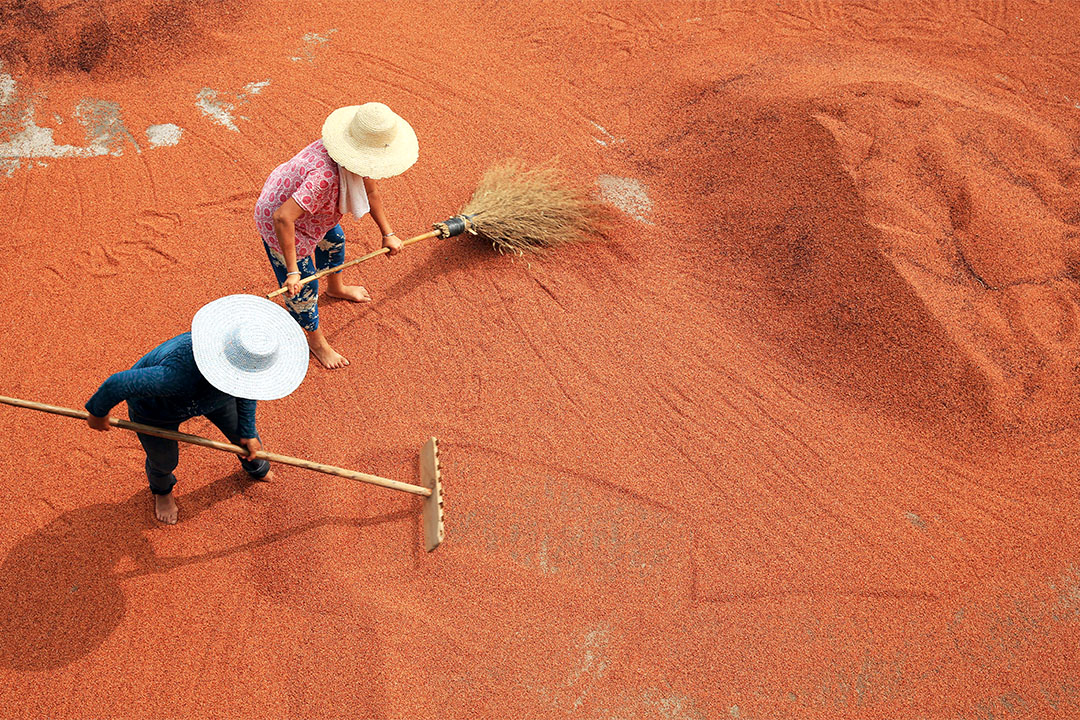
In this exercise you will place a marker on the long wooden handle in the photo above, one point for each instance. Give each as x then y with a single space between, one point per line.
226 447
362 258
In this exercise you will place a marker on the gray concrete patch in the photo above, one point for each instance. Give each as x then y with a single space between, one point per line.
221 110
312 42
626 194
163 135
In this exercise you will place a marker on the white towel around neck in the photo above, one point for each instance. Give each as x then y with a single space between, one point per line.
352 196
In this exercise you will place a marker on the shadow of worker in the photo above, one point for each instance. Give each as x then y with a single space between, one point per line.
59 595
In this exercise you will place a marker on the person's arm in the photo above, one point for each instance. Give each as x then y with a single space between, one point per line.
378 214
285 218
245 413
137 382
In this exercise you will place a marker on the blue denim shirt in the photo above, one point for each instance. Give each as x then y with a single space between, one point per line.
166 387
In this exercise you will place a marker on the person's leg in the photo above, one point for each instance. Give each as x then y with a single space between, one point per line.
305 308
162 456
330 252
227 421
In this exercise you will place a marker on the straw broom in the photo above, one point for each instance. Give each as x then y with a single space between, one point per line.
517 211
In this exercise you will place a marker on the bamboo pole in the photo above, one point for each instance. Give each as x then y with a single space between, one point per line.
362 258
226 447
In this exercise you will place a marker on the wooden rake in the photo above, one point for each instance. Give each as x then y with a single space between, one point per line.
430 487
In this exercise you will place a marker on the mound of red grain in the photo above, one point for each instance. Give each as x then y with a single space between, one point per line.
915 243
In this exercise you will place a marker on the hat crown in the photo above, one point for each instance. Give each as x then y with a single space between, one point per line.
250 348
374 125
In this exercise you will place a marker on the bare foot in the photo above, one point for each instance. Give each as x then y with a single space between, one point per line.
354 293
165 508
328 356
268 477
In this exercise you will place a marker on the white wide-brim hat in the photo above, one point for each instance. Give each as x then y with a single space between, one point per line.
370 140
249 347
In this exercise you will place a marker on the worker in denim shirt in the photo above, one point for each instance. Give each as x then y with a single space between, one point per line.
240 349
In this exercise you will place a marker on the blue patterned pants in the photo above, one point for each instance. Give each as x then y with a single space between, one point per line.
328 253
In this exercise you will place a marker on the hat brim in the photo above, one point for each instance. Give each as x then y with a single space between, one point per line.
374 163
214 323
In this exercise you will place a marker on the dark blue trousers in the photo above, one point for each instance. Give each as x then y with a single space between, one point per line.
163 455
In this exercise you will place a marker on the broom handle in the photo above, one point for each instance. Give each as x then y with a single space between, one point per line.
338 268
226 447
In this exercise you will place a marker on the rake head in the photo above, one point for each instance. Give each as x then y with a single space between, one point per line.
433 504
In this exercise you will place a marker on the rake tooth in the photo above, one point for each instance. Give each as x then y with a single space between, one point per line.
438 483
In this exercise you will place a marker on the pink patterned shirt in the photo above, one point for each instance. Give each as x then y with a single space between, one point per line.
311 179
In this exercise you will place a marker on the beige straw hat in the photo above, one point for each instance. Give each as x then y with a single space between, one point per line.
370 140
249 347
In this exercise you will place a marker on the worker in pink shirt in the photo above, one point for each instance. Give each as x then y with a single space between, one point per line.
303 200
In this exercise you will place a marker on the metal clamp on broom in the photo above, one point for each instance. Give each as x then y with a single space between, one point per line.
516 211
430 487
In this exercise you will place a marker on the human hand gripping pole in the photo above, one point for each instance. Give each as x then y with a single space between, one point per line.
430 489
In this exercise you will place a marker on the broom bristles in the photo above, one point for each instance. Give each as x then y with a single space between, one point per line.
519 210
